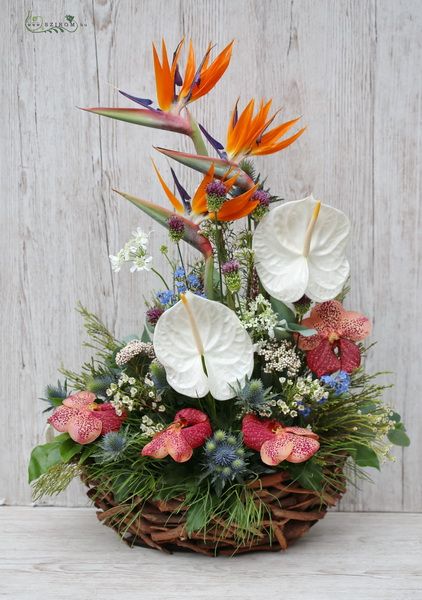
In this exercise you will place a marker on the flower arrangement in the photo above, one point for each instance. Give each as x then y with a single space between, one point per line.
239 414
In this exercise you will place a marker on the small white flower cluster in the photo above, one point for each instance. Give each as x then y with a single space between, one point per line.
132 349
259 318
130 393
134 251
267 409
149 428
306 389
279 357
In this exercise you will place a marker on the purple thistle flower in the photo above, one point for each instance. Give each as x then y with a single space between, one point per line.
263 198
216 188
153 314
231 266
176 227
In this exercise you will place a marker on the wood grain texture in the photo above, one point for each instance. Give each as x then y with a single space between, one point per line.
352 69
346 556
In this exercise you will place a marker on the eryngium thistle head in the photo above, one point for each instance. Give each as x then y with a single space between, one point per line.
112 446
253 396
158 376
225 458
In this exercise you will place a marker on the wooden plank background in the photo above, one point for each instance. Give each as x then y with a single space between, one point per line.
351 68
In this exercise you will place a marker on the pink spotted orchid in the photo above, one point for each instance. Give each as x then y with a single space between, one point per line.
189 430
85 420
333 348
277 443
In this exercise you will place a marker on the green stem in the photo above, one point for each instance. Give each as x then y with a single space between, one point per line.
218 240
161 277
182 263
196 137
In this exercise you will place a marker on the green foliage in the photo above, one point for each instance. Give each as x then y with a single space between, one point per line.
309 474
55 394
45 456
55 480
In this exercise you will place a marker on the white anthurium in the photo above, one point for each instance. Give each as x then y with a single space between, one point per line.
203 348
300 249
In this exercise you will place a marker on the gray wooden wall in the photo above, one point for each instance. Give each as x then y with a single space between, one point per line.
351 68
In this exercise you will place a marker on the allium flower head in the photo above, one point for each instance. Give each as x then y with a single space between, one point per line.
153 314
176 228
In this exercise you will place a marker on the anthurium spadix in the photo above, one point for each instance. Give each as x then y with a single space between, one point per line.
300 249
203 348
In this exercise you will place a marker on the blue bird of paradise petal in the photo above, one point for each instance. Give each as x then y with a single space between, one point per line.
218 146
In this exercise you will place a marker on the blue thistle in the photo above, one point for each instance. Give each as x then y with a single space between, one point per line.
55 394
253 396
112 446
158 376
225 458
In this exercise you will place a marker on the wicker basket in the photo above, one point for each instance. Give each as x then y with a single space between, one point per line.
162 525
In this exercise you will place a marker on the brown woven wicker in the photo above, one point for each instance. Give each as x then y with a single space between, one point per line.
162 525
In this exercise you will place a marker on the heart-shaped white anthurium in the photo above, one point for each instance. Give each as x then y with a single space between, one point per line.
300 249
203 348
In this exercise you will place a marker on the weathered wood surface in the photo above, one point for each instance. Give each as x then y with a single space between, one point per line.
352 69
45 555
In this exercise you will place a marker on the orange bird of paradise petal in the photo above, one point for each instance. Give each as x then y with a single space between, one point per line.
249 133
232 209
196 81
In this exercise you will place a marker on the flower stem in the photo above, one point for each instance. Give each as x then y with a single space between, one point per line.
161 277
196 137
182 263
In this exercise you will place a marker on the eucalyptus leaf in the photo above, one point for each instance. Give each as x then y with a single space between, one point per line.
282 310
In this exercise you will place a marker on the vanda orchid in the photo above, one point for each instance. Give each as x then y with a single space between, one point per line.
225 419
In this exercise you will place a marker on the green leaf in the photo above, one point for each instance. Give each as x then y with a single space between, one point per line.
305 331
398 436
395 417
282 310
68 449
309 474
197 518
86 453
45 456
365 457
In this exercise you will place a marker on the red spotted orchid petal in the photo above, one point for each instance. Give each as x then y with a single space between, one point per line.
178 447
257 431
157 447
61 417
198 427
79 400
303 447
301 431
108 417
310 342
326 317
274 451
349 356
354 326
322 360
84 427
